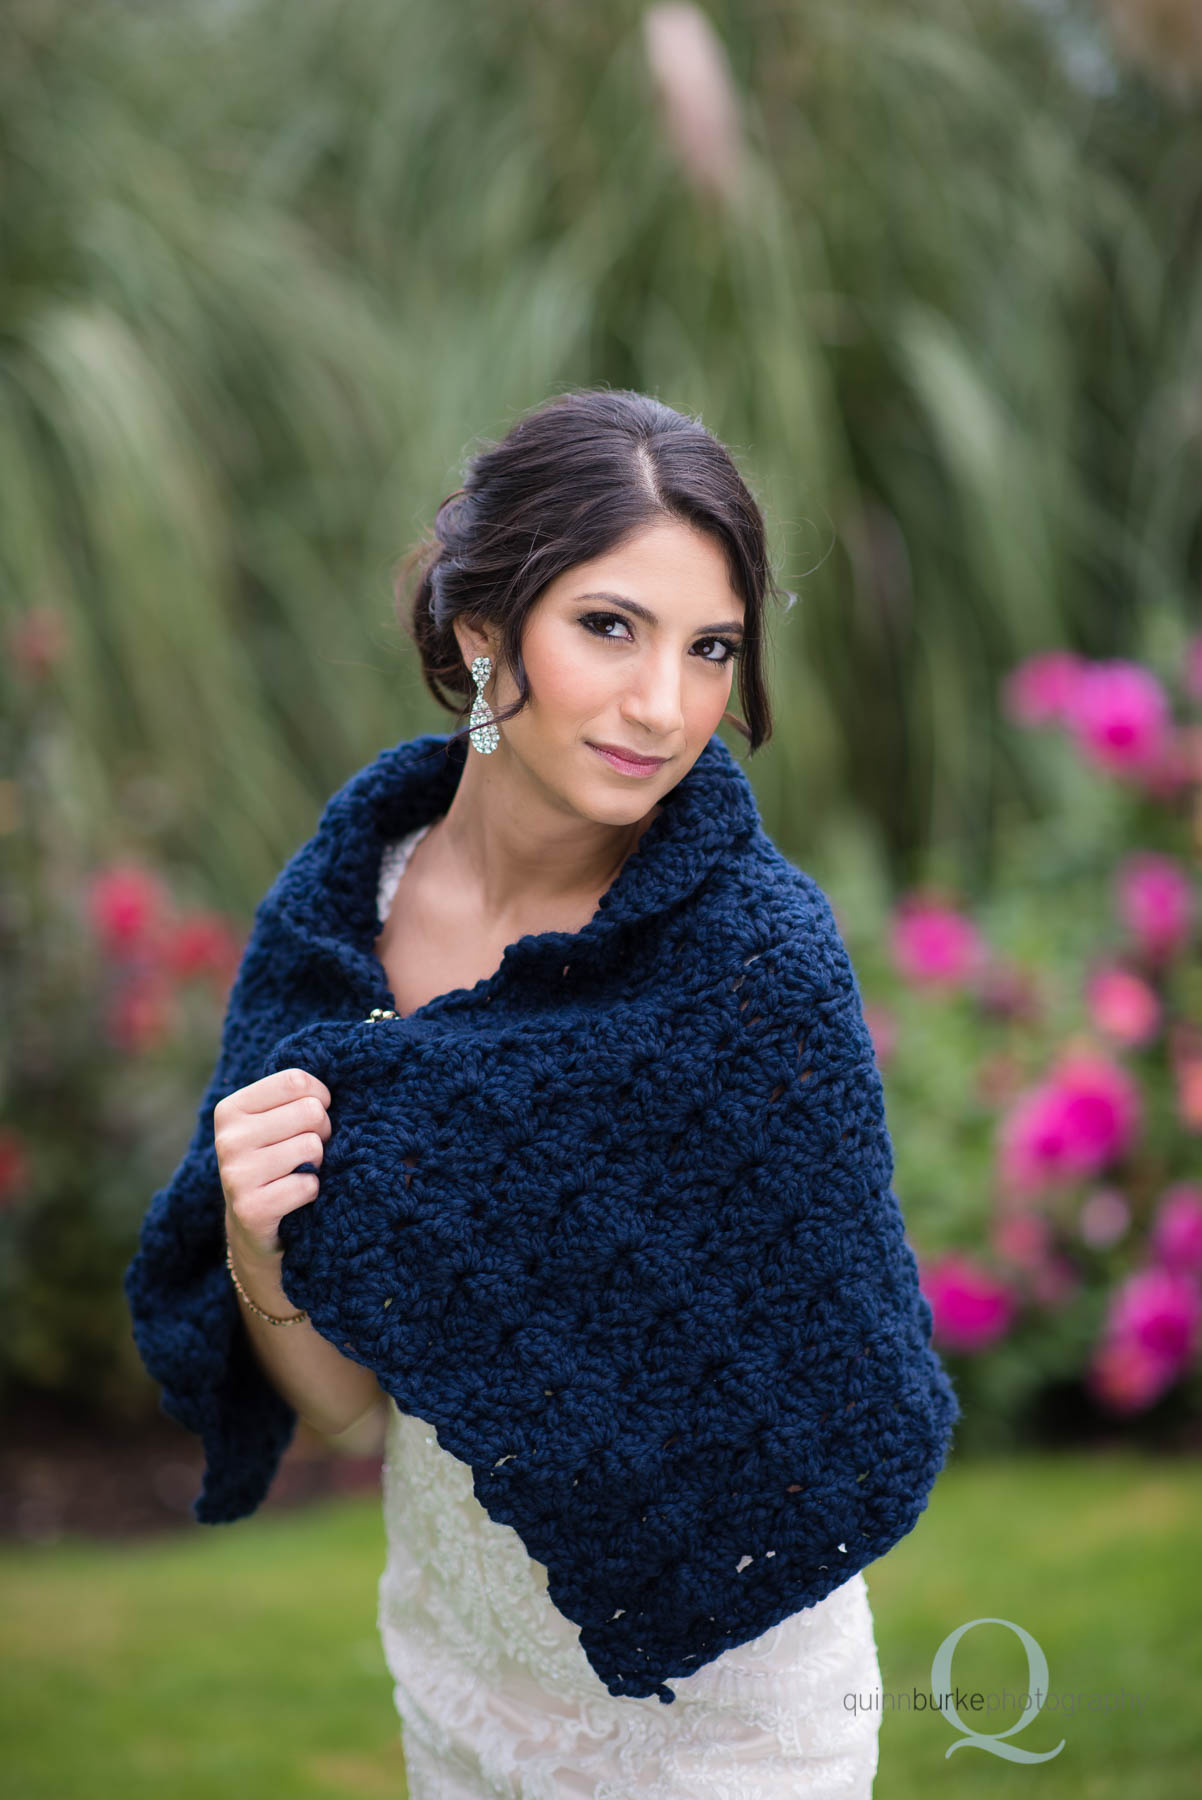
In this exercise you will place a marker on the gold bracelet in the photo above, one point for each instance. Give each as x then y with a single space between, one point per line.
293 1319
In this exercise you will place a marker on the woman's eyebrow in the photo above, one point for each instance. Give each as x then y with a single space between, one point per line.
648 617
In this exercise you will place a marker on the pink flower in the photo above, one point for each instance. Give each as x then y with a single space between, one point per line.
1031 1142
1150 1336
1119 715
1039 691
1104 1217
126 904
1193 667
971 1308
934 945
1177 1229
1084 1117
1159 1310
201 943
1102 1107
1125 1377
1123 1006
1156 903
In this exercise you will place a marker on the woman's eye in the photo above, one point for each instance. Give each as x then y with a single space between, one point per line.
590 620
728 645
595 623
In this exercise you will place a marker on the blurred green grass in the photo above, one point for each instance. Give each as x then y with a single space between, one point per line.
249 1659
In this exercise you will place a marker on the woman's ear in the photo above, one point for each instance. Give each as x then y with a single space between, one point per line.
474 640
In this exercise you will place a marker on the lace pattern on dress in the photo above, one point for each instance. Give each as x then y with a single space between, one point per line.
496 1698
392 867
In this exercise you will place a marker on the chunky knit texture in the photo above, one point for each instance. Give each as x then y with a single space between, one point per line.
617 1221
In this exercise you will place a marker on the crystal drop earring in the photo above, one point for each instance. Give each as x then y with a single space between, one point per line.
482 730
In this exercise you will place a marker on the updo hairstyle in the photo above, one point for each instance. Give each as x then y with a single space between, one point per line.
570 481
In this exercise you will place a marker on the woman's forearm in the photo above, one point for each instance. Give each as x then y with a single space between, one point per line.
327 1389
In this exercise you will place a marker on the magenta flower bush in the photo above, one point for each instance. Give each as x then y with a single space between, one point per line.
1039 691
1150 1338
1123 1007
116 994
1081 1119
1120 717
1041 1051
1156 902
972 1308
933 944
1177 1229
149 950
1042 1058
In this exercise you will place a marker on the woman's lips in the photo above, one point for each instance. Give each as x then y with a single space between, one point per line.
625 766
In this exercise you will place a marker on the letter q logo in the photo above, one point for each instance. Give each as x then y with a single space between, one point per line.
1037 1683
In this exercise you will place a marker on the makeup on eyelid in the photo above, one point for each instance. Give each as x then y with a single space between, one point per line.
732 646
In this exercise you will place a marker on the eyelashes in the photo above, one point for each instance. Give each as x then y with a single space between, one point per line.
733 649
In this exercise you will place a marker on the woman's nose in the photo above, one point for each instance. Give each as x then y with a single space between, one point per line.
654 699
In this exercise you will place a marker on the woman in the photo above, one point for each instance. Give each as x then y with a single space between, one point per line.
592 589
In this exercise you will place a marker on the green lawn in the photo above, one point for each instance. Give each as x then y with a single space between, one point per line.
245 1658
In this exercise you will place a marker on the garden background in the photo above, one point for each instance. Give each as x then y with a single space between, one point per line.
933 272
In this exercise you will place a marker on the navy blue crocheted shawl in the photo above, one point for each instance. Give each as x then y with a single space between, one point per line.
617 1222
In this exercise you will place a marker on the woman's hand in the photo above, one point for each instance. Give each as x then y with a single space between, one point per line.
261 1133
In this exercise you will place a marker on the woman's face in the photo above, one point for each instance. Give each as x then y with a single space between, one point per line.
631 650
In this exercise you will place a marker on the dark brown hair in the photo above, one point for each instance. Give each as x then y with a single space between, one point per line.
571 480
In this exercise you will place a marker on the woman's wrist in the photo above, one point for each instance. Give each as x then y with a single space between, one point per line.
257 1280
251 1257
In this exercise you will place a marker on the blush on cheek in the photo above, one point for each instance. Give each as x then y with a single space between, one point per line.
568 681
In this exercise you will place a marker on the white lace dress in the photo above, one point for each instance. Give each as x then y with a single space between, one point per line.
497 1698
